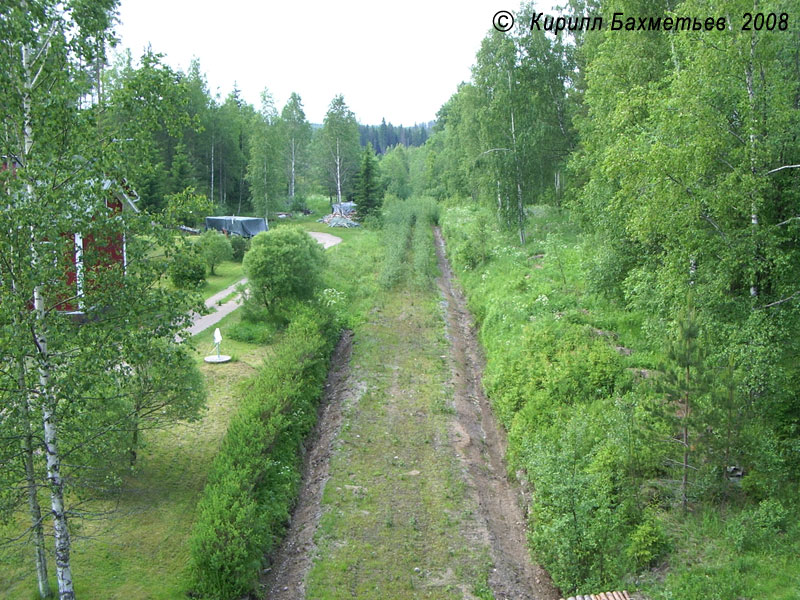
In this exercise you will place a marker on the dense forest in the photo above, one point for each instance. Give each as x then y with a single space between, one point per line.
622 208
383 136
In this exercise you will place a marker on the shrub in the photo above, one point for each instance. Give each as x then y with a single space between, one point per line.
239 246
187 270
214 247
648 543
757 527
251 332
224 544
283 266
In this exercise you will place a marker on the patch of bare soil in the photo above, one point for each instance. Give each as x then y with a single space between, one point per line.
285 578
481 444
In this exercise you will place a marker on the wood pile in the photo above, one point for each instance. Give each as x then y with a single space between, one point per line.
337 220
603 596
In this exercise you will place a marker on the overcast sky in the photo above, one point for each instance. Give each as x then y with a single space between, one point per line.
398 60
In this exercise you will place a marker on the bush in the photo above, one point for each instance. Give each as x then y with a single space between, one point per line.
187 270
214 247
283 266
298 204
251 332
253 481
648 543
758 527
224 543
239 245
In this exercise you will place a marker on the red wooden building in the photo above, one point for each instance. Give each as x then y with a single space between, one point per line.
109 250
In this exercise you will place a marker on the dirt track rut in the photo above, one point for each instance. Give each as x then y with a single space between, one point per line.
482 446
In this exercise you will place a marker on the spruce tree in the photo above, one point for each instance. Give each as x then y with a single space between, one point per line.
367 193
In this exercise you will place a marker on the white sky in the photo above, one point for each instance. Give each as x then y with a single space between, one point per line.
398 60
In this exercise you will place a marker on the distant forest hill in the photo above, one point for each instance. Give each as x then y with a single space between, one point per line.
385 135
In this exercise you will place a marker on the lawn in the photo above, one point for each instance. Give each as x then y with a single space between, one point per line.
138 549
227 273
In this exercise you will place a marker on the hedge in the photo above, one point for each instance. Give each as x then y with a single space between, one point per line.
253 481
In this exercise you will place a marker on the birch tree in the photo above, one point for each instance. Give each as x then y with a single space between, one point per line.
69 314
340 146
264 170
297 137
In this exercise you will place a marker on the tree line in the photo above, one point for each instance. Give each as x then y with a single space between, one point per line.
174 135
383 136
677 154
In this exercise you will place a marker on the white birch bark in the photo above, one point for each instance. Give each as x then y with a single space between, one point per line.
517 174
293 146
34 508
752 139
48 402
212 166
338 172
50 426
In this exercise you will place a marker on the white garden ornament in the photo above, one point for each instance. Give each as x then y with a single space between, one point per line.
217 358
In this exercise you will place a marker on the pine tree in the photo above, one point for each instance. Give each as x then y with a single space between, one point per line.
685 381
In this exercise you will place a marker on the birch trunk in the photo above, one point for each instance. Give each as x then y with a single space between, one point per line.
338 173
752 151
35 510
60 526
50 426
517 174
291 176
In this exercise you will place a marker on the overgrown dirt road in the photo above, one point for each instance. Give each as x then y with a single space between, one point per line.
481 443
415 503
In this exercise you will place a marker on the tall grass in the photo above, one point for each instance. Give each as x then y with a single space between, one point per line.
407 227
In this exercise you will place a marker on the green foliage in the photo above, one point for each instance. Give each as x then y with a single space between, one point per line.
758 527
395 172
368 194
187 269
398 222
265 172
187 207
253 481
648 543
283 266
407 225
251 331
573 412
239 246
224 542
338 149
470 239
214 247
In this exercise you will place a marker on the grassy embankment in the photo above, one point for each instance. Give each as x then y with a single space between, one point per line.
570 375
139 548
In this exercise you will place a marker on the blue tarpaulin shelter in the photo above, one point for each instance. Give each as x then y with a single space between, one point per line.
243 226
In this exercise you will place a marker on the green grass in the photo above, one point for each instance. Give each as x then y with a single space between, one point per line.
533 302
139 550
226 274
705 567
397 517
